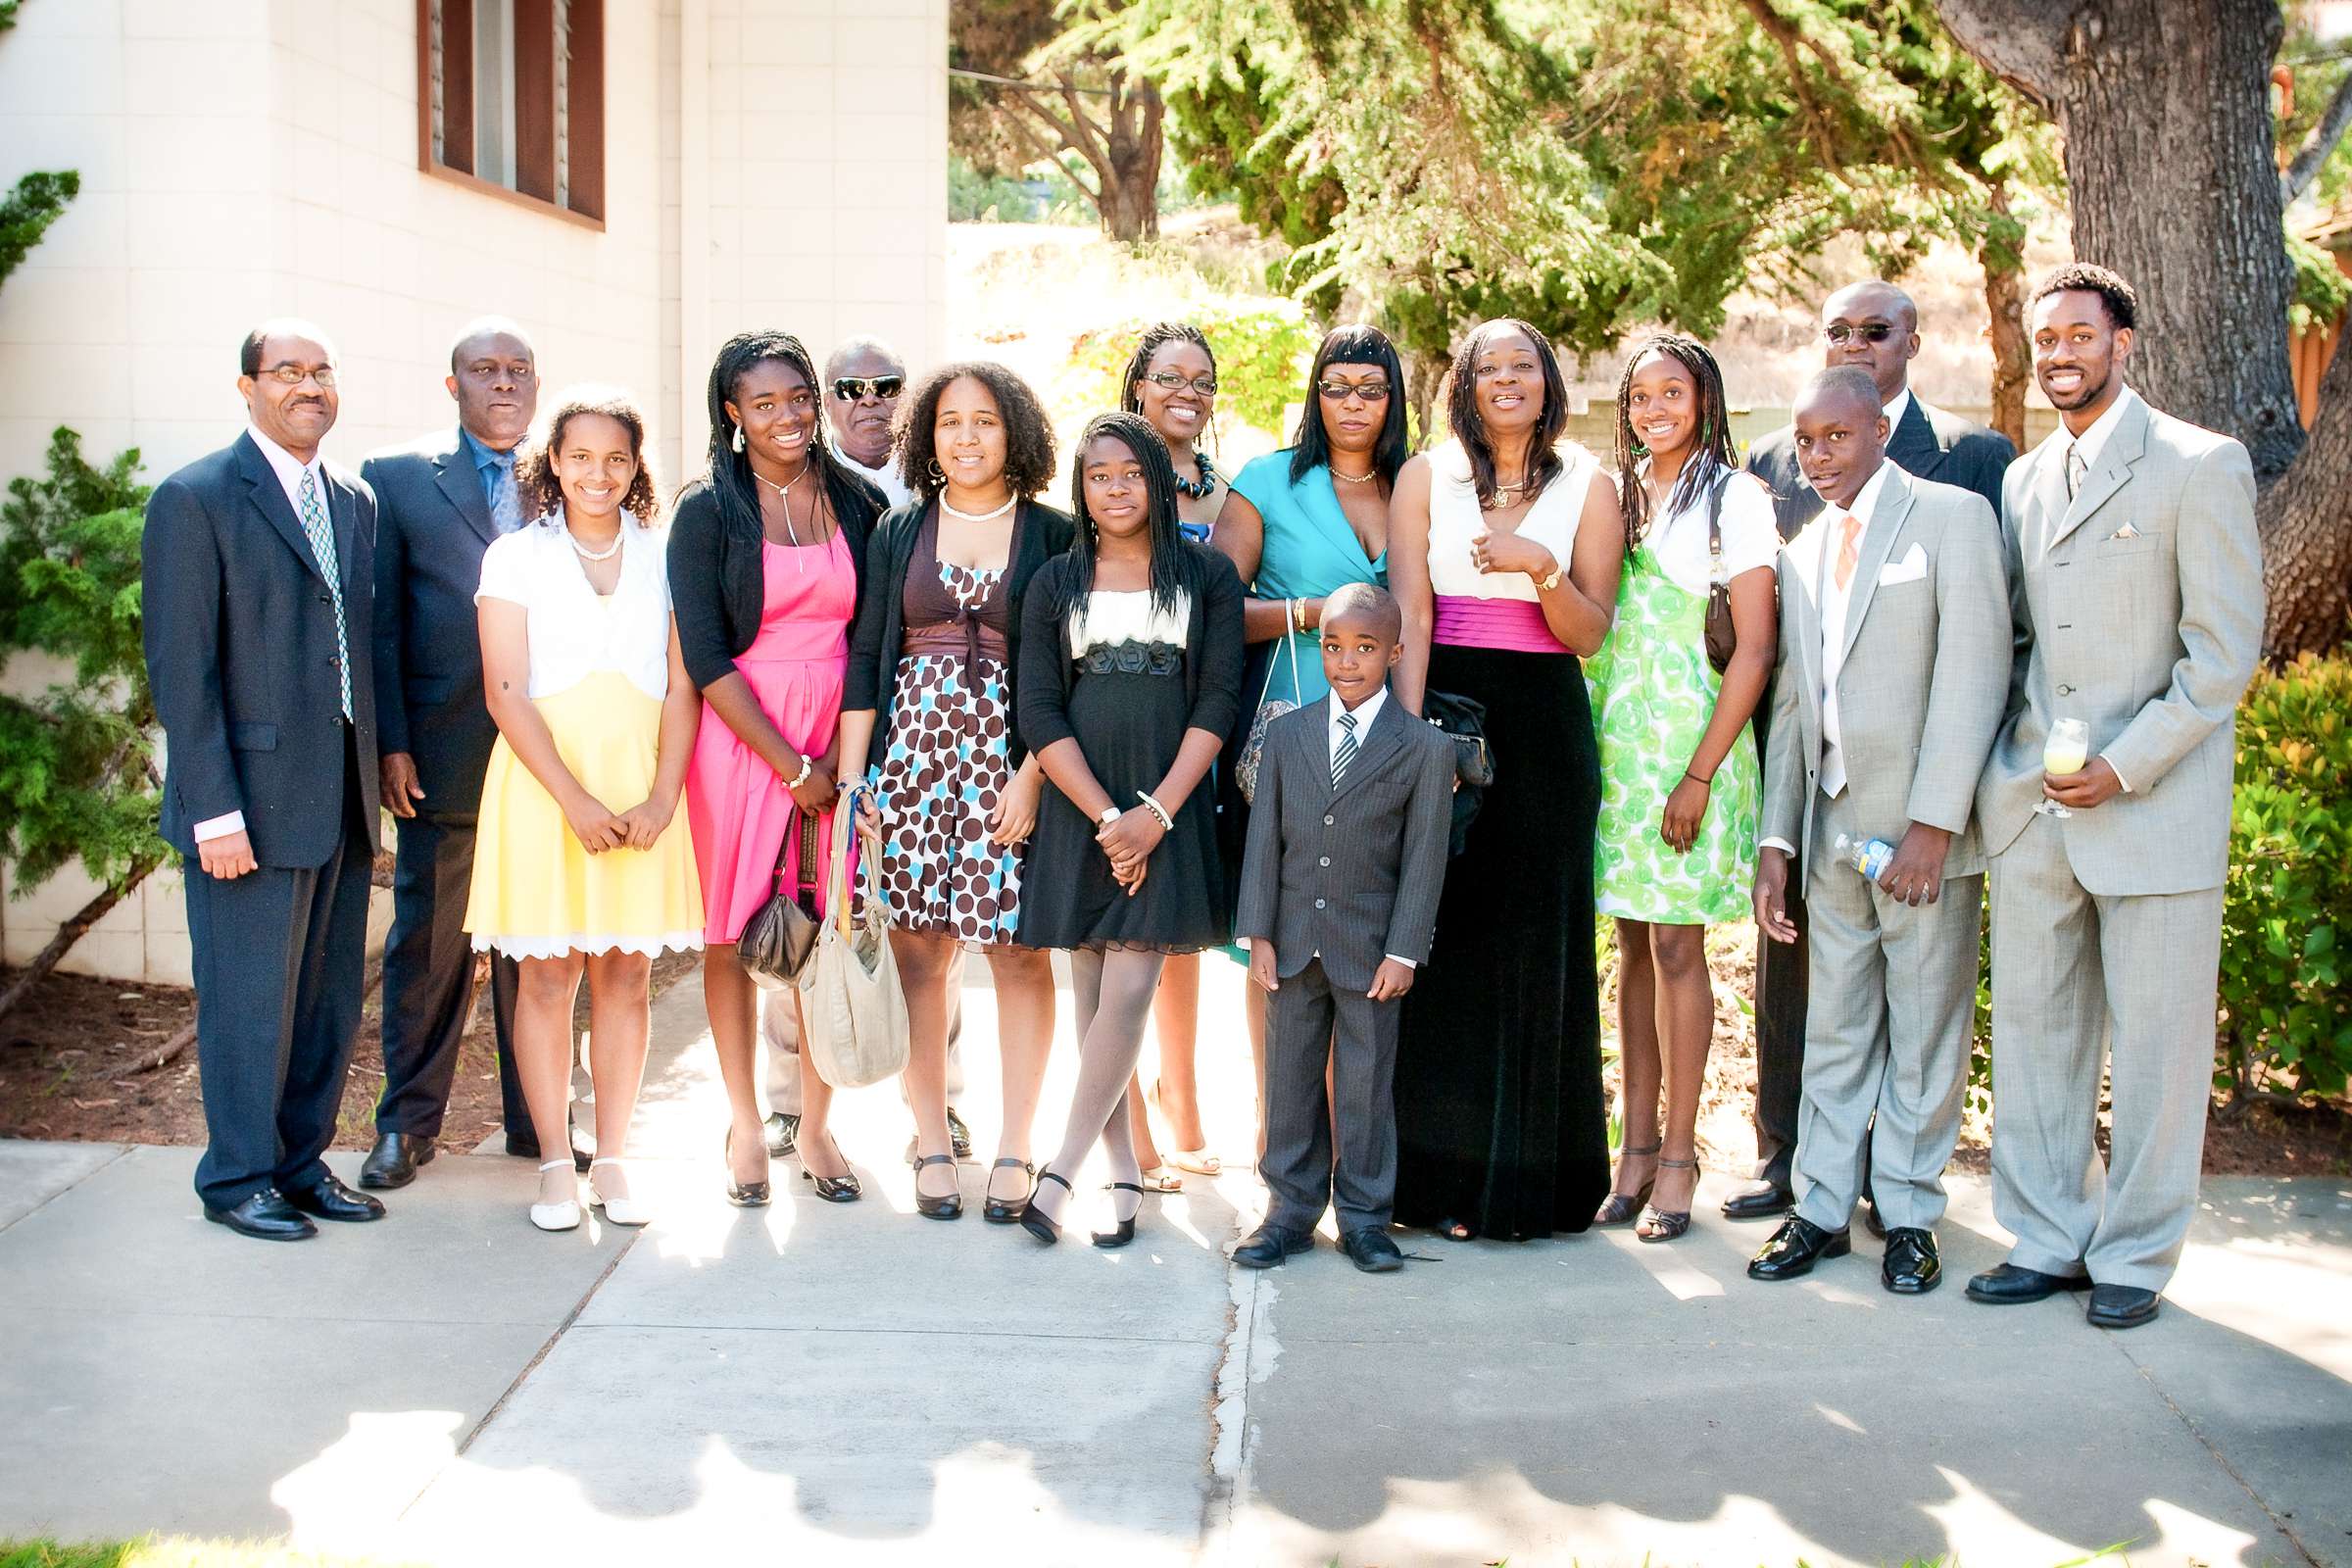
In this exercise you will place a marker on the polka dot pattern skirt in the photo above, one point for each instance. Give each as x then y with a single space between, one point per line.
942 776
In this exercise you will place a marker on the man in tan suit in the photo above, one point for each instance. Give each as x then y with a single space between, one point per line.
1894 629
2137 592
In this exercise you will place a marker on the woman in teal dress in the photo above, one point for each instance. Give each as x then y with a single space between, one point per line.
1299 525
1680 793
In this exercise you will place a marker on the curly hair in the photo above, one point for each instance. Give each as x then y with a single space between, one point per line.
2119 297
1712 454
1134 433
535 483
1028 431
1544 463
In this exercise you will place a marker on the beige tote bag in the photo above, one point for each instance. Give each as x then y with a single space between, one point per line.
850 1005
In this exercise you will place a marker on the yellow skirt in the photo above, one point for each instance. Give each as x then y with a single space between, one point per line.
537 892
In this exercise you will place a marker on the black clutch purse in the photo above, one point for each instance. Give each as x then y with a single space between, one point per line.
1463 722
780 937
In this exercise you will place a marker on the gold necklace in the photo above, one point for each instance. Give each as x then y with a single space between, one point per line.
1365 477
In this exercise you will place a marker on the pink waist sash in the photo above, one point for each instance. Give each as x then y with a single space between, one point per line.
1510 625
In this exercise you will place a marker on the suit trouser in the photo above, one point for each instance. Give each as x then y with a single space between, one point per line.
278 955
428 983
2079 980
1298 1168
780 1033
1781 981
1887 1033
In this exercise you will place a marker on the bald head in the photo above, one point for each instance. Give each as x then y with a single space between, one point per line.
1840 433
862 425
1874 327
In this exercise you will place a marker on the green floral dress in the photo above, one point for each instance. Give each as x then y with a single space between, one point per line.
1653 694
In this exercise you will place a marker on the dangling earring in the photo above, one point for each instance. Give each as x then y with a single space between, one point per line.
738 441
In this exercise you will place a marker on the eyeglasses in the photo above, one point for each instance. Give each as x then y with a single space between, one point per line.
296 375
1839 333
1169 381
850 388
1341 391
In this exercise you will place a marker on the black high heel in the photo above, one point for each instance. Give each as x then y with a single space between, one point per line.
1045 1230
1007 1210
742 1194
1108 1239
948 1207
832 1189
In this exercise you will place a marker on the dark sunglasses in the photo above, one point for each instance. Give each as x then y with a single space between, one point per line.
1340 391
1869 332
850 388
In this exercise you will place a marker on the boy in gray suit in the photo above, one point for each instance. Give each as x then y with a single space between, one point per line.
1894 631
1339 902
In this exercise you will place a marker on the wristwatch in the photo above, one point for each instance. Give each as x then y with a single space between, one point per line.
1110 814
1544 585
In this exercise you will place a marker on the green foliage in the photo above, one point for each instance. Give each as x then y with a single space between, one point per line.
1262 350
26 212
2286 1014
75 775
2321 290
976 197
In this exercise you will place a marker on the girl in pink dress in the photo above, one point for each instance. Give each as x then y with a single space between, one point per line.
766 555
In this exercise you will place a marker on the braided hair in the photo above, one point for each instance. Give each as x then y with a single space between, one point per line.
731 471
1168 575
1158 335
1543 462
1713 458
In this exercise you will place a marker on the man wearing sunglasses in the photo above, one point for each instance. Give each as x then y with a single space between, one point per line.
1872 326
864 379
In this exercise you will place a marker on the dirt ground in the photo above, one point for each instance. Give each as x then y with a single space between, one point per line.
69 1055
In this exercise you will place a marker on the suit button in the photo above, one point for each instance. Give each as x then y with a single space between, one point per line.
1327 821
2066 691
1318 903
1325 860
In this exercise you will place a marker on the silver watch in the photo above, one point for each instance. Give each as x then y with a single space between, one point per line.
1110 814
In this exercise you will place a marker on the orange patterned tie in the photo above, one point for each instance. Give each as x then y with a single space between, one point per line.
1849 535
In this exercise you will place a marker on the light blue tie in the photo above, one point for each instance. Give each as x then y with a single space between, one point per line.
1343 752
505 507
322 550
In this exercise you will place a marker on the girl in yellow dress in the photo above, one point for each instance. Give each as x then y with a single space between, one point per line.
574 867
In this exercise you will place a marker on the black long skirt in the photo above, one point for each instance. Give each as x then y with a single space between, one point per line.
1500 1119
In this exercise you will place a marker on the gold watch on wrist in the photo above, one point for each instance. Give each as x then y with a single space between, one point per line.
1544 585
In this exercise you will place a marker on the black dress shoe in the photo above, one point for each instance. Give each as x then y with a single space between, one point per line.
1795 1247
394 1159
782 1131
742 1194
1269 1244
1911 1266
265 1216
949 1206
331 1199
1369 1249
2121 1307
959 1136
1007 1210
1763 1199
2008 1284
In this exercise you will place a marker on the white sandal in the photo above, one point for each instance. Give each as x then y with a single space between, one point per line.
563 1216
1160 1179
624 1210
1200 1162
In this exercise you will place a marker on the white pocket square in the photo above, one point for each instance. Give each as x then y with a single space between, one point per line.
1912 568
2127 531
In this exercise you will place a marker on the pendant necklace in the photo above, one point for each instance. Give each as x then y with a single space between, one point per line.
784 494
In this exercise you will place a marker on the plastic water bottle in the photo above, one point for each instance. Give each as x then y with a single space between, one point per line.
1866 855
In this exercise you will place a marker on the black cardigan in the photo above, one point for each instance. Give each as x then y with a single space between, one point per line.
718 579
1214 650
872 683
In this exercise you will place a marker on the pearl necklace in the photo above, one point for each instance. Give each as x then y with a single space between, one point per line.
977 516
606 554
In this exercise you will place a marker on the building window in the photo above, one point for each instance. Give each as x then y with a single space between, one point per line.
511 96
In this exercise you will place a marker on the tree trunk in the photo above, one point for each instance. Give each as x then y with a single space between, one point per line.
2012 359
1129 172
71 932
1425 377
2306 523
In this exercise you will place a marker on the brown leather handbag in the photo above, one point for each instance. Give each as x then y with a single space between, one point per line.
1723 638
779 938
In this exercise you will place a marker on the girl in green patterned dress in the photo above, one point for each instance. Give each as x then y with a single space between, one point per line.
1679 776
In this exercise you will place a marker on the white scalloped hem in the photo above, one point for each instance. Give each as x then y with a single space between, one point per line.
651 946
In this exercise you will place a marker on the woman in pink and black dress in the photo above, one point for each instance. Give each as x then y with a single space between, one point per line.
766 552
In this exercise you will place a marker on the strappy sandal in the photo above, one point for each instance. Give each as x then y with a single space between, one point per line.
1047 1231
1162 1179
1200 1162
1125 1231
1622 1208
1007 1210
1658 1225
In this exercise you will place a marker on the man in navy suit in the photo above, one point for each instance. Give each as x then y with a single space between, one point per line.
441 500
1872 327
259 596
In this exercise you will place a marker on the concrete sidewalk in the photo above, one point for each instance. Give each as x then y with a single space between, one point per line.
854 1384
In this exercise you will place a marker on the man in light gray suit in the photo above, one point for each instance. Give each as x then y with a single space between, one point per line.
2137 592
1894 630
1339 902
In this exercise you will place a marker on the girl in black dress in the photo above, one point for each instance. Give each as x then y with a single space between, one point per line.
1130 679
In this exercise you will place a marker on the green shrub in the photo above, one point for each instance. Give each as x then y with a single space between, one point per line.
2287 1016
1263 348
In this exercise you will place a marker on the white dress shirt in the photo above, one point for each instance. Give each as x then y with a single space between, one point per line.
1365 712
885 478
2079 459
289 470
1895 411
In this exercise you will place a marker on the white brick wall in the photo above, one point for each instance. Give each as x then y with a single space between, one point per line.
243 158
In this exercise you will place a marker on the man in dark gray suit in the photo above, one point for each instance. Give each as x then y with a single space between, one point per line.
1340 886
441 500
258 600
1874 327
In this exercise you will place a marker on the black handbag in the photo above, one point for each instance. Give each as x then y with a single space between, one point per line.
1721 637
780 937
1463 722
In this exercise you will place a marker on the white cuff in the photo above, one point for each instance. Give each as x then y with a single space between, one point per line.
1407 962
2124 783
1781 845
219 828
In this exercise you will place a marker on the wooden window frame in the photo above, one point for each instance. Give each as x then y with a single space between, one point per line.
536 118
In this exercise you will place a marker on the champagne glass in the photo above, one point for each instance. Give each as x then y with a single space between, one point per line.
2066 752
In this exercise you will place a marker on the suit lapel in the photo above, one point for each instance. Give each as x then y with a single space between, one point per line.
1913 444
461 486
1384 737
2123 449
1878 543
269 499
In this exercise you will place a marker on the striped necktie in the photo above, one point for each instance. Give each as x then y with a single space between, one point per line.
505 507
1345 751
322 551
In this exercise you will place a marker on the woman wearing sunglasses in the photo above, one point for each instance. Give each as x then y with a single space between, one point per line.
1300 523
